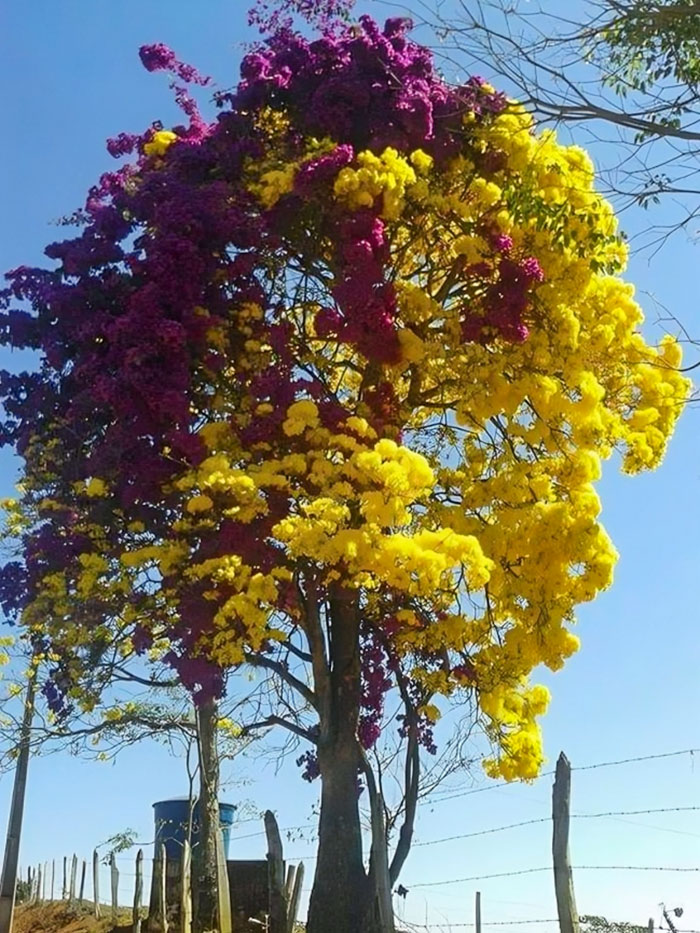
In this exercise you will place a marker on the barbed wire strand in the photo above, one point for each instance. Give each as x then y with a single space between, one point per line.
505 923
548 819
531 871
591 767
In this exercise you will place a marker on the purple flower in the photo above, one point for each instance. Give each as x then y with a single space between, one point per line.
158 57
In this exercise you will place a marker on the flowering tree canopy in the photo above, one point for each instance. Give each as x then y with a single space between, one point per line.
333 375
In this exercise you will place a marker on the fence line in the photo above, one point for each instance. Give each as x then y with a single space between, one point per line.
591 767
532 871
510 923
38 877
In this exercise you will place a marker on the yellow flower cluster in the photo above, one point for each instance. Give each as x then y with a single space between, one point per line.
388 175
159 143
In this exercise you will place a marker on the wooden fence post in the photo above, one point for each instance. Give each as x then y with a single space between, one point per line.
477 912
289 883
162 891
64 887
53 877
224 905
294 898
73 874
186 889
96 882
138 892
83 870
37 895
8 877
650 925
114 878
45 882
563 878
277 912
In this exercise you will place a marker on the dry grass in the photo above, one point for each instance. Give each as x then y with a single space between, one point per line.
61 917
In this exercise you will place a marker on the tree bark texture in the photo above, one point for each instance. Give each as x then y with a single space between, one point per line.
206 875
342 897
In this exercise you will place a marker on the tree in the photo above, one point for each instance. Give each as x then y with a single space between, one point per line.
623 71
324 389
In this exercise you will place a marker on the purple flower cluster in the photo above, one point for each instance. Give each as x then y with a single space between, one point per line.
366 304
366 87
315 174
159 57
375 665
506 301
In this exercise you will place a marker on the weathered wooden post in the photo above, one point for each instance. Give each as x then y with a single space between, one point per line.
37 893
83 870
157 903
477 912
563 878
53 877
138 893
289 883
224 905
64 886
8 879
277 912
294 898
45 882
186 889
161 888
96 883
73 875
114 878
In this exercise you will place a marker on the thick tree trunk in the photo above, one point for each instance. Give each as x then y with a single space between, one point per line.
342 899
206 875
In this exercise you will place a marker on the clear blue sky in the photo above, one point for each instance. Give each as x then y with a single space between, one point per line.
71 78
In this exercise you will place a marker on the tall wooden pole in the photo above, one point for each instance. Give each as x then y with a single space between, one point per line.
114 878
563 878
477 912
83 872
96 883
138 893
8 883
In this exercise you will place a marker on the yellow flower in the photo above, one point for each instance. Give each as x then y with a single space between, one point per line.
200 503
300 416
159 143
96 488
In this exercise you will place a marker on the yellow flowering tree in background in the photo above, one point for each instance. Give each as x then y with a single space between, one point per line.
326 386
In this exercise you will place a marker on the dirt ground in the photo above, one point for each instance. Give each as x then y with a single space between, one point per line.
60 917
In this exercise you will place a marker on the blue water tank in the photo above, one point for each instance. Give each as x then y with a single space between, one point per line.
171 818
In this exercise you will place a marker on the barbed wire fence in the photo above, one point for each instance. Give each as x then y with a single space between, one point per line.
68 879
